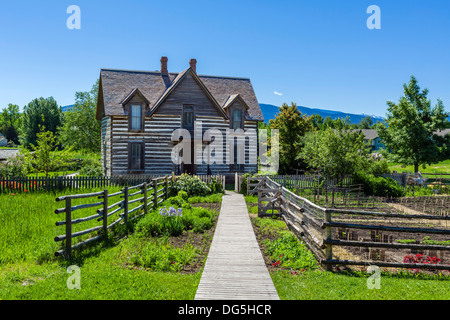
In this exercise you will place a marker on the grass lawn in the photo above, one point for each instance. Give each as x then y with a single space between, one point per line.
297 275
322 285
50 174
130 265
441 167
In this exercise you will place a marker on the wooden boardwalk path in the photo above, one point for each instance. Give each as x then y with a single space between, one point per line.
235 268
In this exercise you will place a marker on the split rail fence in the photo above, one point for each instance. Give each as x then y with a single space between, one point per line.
148 194
324 229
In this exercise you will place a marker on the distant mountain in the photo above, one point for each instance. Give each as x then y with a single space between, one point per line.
67 108
269 111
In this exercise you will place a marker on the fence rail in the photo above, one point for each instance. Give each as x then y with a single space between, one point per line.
310 181
322 229
145 194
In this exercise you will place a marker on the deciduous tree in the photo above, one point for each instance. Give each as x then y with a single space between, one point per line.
39 112
80 128
292 126
336 152
412 126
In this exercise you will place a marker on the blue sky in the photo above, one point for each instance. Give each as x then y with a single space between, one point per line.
315 53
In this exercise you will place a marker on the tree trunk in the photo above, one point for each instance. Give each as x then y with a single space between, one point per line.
416 167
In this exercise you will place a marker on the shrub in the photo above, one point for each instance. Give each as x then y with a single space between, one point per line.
91 166
193 186
183 195
177 201
244 184
378 166
379 186
198 219
14 167
215 186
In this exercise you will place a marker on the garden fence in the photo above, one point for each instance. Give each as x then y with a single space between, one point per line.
364 236
32 184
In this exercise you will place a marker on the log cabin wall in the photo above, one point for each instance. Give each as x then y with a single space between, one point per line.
120 85
106 145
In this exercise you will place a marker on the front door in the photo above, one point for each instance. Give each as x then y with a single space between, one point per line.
189 168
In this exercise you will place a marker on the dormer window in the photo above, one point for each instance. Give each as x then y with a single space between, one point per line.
135 106
136 117
236 109
237 119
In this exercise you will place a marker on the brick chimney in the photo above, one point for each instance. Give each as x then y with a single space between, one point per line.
193 65
164 65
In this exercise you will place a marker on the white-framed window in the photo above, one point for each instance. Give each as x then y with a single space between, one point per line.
237 119
136 117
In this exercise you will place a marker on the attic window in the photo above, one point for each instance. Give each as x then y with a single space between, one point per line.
136 117
237 119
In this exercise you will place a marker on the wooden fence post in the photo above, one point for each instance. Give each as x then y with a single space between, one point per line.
328 236
125 205
145 198
155 193
68 228
259 202
248 182
105 213
166 188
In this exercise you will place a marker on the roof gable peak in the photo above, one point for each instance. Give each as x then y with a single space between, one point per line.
178 79
133 93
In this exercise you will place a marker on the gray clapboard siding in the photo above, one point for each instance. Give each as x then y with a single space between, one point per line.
158 129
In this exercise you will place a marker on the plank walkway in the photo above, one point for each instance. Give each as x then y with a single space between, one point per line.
235 268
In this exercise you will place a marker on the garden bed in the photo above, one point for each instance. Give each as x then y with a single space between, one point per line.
201 241
436 205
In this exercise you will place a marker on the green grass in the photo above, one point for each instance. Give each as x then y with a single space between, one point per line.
251 199
321 285
128 266
28 224
8 148
50 174
100 279
213 198
441 167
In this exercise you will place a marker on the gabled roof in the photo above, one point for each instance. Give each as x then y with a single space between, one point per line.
179 78
443 133
231 99
130 96
116 85
369 134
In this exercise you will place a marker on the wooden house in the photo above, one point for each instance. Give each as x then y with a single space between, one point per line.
140 110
